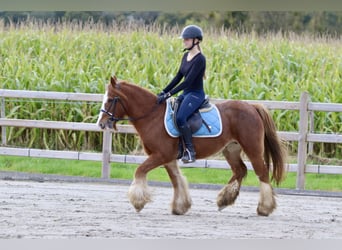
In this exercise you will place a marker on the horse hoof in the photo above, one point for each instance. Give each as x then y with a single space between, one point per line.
263 213
176 212
220 208
181 209
138 209
265 210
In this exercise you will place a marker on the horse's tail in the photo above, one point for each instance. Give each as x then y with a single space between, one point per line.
274 147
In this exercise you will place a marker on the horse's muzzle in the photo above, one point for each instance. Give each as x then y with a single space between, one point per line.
106 124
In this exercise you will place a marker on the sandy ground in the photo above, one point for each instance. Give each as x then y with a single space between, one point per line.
30 209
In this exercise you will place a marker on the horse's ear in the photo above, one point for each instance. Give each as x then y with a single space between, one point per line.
113 80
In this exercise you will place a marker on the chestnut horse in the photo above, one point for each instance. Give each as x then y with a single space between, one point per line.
248 128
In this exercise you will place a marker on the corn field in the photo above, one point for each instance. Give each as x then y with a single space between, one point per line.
81 57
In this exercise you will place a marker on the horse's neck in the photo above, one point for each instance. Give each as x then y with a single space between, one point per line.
141 101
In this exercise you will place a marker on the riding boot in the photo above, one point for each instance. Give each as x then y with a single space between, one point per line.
189 152
180 148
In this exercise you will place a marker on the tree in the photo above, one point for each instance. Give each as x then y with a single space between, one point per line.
246 21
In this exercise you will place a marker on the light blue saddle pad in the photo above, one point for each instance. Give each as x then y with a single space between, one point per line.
212 117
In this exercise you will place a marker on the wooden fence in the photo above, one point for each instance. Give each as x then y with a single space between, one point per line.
305 136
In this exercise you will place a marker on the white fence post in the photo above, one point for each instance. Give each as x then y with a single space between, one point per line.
302 140
106 152
3 128
311 130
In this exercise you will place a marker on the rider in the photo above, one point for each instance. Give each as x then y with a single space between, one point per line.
192 69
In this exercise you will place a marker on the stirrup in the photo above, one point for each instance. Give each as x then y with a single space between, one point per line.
188 156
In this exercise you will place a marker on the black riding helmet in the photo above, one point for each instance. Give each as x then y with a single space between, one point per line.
192 31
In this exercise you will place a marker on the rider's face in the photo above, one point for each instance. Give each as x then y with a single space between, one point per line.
187 42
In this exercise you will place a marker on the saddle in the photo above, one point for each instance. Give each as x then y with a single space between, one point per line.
208 118
195 121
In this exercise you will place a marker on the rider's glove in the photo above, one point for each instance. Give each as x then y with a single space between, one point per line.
162 96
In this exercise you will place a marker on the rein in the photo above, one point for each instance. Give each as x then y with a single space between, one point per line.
113 104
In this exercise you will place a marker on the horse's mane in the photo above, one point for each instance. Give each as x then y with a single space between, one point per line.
132 87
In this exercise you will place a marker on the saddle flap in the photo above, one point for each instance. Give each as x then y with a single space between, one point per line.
195 121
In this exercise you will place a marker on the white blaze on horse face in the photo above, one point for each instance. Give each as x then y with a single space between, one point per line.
104 100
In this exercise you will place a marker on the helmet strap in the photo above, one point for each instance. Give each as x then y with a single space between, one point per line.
193 45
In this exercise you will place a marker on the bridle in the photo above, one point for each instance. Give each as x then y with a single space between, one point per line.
114 103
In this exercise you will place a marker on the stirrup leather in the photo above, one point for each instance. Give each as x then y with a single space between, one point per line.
180 149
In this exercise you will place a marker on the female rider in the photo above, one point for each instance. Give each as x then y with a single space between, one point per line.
192 69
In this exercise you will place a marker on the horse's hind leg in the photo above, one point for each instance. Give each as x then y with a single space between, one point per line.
181 202
230 192
267 202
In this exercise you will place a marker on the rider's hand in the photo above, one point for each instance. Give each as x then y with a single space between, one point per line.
161 93
161 97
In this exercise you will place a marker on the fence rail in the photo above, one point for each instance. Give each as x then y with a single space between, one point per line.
305 136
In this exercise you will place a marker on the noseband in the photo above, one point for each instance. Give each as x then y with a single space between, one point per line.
113 104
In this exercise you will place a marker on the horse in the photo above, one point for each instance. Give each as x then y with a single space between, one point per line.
247 128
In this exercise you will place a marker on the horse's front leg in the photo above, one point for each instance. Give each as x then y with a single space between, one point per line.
181 202
139 193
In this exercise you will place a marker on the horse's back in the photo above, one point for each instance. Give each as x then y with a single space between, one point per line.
240 117
236 108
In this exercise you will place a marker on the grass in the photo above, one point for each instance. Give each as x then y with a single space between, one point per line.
322 182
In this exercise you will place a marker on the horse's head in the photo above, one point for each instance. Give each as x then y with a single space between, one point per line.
112 109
